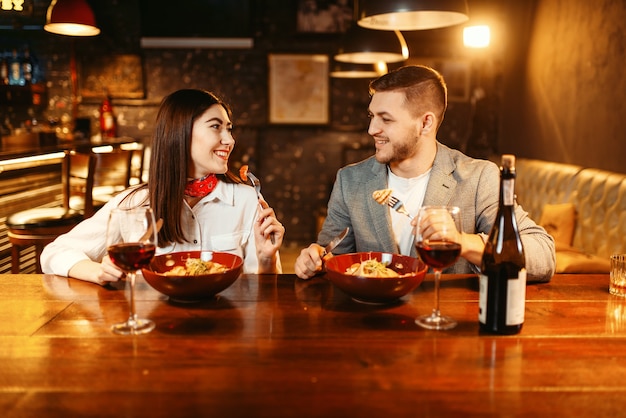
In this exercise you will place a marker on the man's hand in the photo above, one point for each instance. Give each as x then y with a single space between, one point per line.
309 262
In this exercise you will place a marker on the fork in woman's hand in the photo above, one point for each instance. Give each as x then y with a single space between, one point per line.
256 183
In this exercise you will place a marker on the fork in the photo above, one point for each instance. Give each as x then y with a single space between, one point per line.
256 183
397 205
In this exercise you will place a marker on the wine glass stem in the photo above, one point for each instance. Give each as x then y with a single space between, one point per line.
132 318
436 311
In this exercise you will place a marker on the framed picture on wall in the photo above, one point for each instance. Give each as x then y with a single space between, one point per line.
324 16
120 76
298 89
456 72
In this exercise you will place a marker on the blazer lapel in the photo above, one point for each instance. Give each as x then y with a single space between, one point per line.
380 213
441 186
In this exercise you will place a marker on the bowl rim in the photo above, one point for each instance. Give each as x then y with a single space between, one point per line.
423 269
238 263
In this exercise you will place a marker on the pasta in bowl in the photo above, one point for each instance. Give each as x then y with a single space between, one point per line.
375 277
186 277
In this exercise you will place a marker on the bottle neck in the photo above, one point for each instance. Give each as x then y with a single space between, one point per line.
508 192
507 188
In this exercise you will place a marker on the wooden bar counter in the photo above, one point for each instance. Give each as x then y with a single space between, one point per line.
276 346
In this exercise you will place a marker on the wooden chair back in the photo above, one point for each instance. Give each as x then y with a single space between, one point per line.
84 172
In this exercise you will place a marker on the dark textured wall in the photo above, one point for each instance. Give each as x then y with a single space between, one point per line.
297 164
553 82
569 104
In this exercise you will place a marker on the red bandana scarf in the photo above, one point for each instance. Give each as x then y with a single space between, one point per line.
201 187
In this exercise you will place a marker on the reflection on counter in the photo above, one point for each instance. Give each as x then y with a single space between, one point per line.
29 140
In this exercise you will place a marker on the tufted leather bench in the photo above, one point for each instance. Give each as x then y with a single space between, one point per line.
598 198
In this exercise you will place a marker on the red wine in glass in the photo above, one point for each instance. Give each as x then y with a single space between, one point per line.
435 240
131 243
131 256
438 254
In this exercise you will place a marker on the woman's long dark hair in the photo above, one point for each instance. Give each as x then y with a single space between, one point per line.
171 155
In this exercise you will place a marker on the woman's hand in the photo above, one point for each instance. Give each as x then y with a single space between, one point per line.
268 235
101 273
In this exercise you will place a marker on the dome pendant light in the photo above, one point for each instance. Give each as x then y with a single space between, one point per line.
411 14
71 17
353 70
365 46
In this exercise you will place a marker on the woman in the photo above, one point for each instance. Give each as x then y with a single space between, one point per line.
203 206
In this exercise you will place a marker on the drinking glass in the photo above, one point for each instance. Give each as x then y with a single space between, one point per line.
131 244
436 241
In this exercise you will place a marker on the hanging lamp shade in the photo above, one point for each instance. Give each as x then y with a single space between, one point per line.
71 17
365 46
411 14
353 70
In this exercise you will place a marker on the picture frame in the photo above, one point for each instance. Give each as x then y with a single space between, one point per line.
456 73
119 76
324 16
298 89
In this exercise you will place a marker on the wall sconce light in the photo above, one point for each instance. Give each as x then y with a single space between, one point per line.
411 14
364 46
478 36
72 18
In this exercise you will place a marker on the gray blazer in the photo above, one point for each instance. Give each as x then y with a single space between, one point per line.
455 179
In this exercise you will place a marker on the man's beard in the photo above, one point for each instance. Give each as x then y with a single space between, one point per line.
399 152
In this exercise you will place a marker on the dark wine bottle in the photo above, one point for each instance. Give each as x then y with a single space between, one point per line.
502 296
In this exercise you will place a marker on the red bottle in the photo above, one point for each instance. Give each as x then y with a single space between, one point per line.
108 125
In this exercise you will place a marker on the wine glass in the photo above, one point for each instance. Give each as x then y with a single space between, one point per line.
131 244
436 241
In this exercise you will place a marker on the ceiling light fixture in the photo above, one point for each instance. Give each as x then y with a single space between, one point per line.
365 46
478 36
411 14
353 70
72 18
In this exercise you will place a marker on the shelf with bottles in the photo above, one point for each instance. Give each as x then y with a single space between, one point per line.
21 81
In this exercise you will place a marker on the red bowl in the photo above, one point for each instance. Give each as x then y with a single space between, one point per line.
191 288
376 289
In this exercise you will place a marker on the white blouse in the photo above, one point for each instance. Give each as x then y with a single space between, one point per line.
221 221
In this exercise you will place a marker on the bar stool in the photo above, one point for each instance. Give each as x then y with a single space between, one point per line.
138 163
89 180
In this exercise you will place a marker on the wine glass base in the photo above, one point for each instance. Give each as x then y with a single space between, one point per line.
436 322
139 326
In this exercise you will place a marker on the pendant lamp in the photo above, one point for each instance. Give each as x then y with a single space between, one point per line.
365 46
353 70
411 14
71 17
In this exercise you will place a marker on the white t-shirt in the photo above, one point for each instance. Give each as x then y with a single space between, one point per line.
411 192
221 221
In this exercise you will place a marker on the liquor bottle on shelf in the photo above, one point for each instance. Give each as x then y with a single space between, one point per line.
4 69
16 78
27 67
108 125
502 295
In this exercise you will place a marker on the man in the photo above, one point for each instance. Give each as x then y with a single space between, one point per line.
406 110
